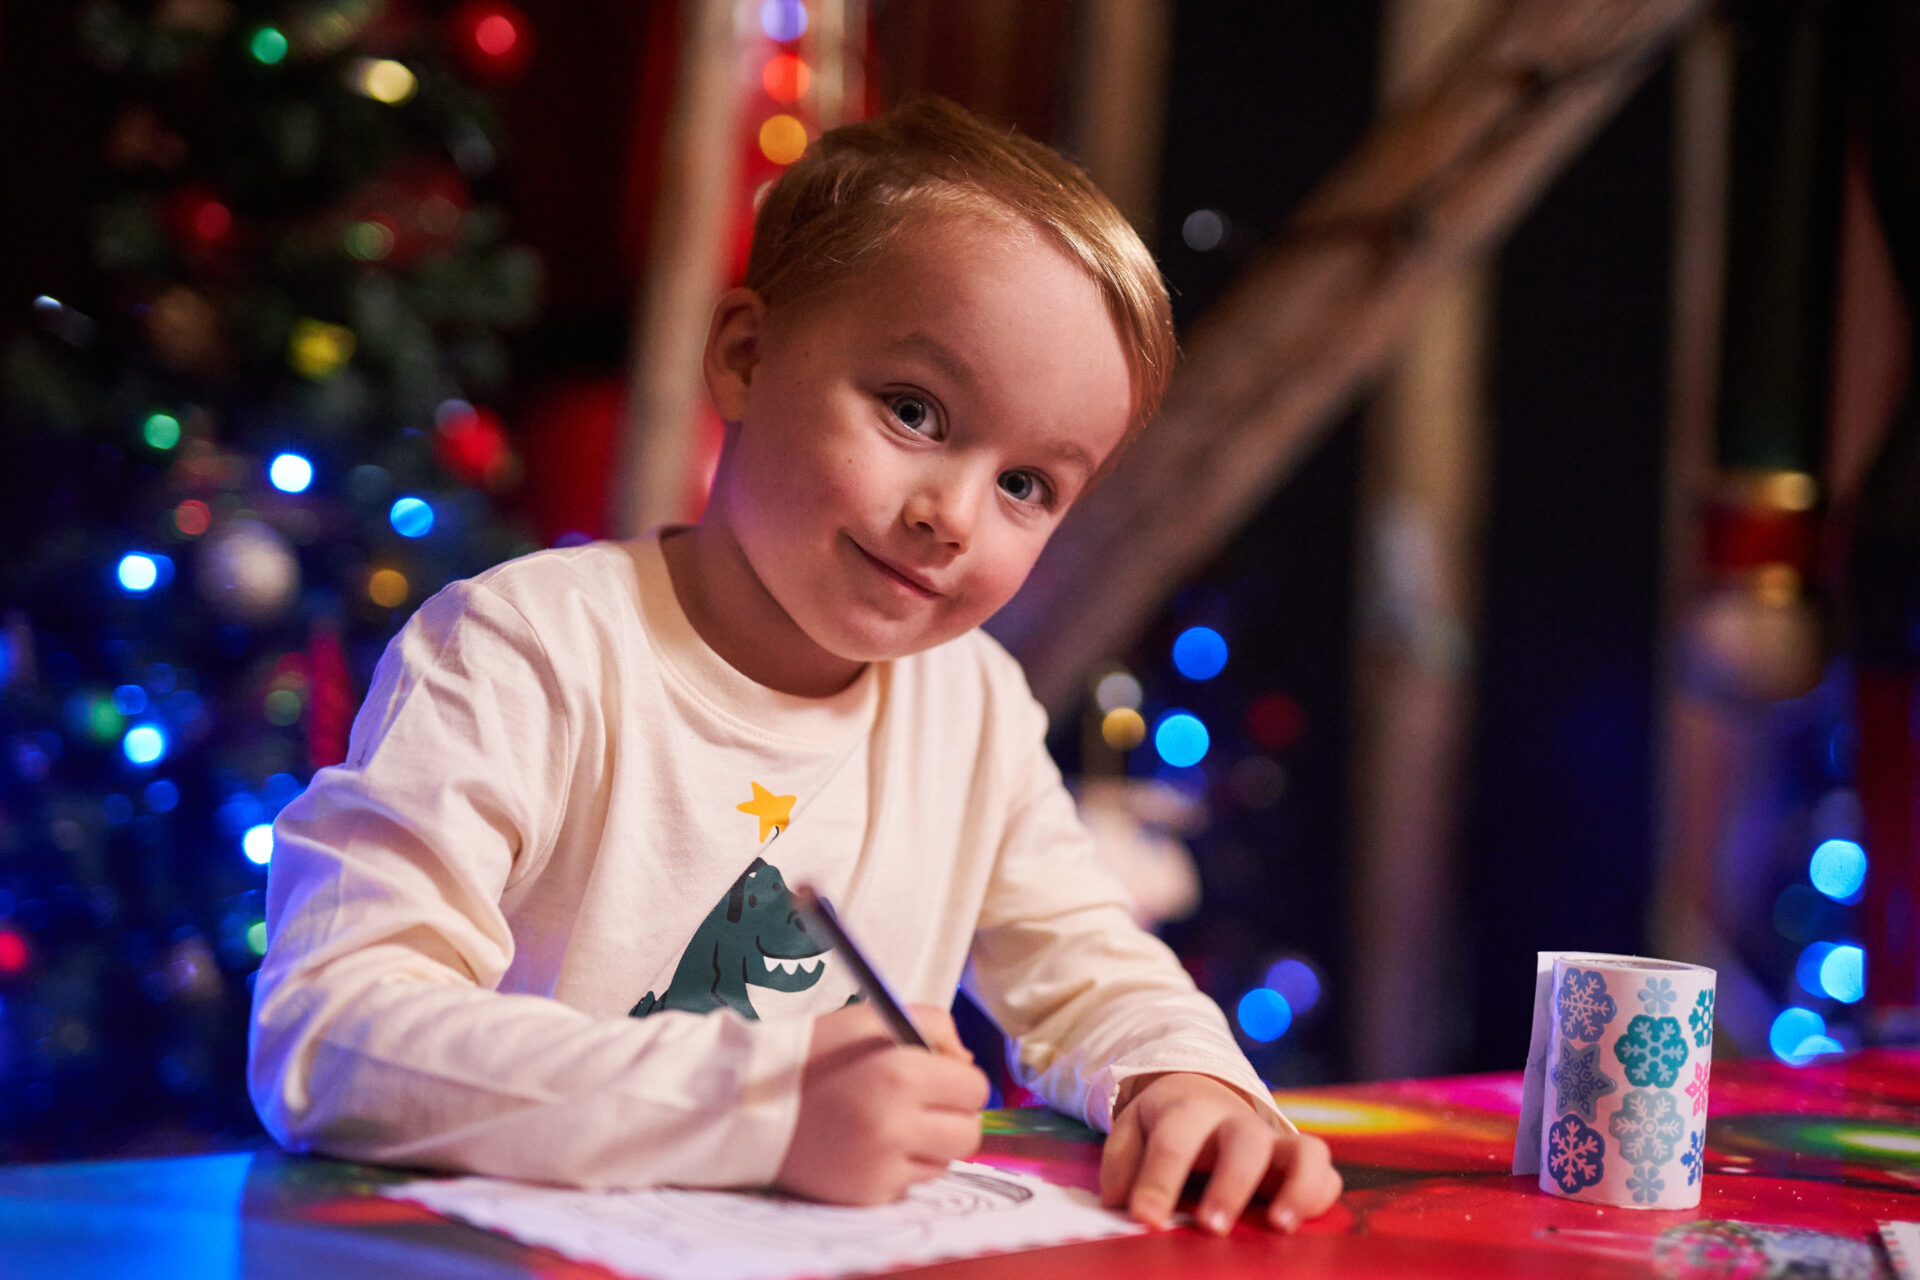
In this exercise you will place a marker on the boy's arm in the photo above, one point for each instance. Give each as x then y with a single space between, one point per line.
378 1032
1096 1004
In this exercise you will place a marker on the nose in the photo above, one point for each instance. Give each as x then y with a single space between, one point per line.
945 503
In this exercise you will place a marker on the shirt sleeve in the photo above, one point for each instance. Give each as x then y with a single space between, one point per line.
378 1029
1091 1000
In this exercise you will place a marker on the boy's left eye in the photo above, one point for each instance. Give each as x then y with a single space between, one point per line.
1023 486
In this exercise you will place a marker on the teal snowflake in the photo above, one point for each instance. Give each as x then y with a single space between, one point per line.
1653 1050
1701 1019
1648 1127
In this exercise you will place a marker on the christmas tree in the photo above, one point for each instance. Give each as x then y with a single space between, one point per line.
236 455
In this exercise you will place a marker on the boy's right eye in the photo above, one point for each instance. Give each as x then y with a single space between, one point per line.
912 412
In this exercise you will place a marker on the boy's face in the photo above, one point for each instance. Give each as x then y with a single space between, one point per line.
901 446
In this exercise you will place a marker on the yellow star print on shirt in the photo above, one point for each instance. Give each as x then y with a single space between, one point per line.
774 812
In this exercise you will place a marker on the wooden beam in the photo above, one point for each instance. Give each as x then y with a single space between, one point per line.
1437 183
685 272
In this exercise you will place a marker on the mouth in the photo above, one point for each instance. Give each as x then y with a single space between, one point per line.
910 581
792 966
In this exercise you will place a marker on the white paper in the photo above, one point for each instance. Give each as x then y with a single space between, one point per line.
1614 1101
1903 1247
679 1234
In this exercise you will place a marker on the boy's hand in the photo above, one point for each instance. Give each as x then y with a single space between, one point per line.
877 1116
1180 1123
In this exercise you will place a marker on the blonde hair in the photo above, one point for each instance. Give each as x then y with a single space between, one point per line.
846 199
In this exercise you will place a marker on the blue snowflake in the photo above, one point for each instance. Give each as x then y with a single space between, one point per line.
1701 1019
1648 1126
1585 1007
1658 995
1646 1184
1693 1157
1578 1079
1575 1153
1653 1050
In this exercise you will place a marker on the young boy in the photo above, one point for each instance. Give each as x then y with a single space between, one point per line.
538 924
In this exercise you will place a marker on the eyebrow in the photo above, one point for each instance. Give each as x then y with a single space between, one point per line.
950 362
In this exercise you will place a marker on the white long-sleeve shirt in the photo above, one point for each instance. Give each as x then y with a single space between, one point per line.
537 924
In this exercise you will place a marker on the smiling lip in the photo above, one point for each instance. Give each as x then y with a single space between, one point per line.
908 580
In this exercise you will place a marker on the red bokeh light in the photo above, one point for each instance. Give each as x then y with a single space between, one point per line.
496 35
13 952
785 78
1275 721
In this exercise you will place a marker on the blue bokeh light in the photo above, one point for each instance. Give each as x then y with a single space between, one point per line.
1295 980
1792 1027
144 744
1181 739
257 844
411 517
138 573
1264 1014
1199 653
1838 869
162 795
290 473
1806 970
1843 974
129 699
783 20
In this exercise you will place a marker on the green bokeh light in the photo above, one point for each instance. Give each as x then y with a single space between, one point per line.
268 46
257 937
161 430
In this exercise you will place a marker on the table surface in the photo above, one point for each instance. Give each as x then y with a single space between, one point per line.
1830 1148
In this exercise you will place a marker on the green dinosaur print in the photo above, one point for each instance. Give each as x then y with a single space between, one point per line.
753 937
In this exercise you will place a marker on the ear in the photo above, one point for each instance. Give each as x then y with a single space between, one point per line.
733 349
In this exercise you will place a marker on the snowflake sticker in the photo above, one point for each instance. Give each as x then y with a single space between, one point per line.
1658 995
1575 1154
1653 1050
1584 1006
1694 1156
1578 1079
1646 1184
1701 1019
1648 1126
1698 1089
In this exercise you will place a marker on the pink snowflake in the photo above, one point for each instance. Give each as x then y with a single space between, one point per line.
1698 1089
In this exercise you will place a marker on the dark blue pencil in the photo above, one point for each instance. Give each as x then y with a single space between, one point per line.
820 913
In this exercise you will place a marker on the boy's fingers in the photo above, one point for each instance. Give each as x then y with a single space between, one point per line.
1172 1147
1120 1159
1243 1151
936 1026
1310 1186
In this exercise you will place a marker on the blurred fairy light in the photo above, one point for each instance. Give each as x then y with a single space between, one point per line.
257 937
161 430
1200 653
1843 974
129 699
387 588
783 20
144 744
257 844
1181 739
411 517
1295 980
1838 869
785 77
290 473
317 349
268 46
193 517
1203 230
1123 729
369 240
139 573
783 139
1799 1035
1117 689
161 795
383 80
1264 1014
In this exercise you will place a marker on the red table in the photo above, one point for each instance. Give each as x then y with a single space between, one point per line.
1832 1148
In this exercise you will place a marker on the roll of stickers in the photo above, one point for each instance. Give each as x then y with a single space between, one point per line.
1614 1105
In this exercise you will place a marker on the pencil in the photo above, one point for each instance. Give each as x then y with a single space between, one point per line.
819 912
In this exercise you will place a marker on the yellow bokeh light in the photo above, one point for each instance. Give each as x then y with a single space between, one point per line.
387 588
783 139
384 80
317 349
1328 1115
1123 729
